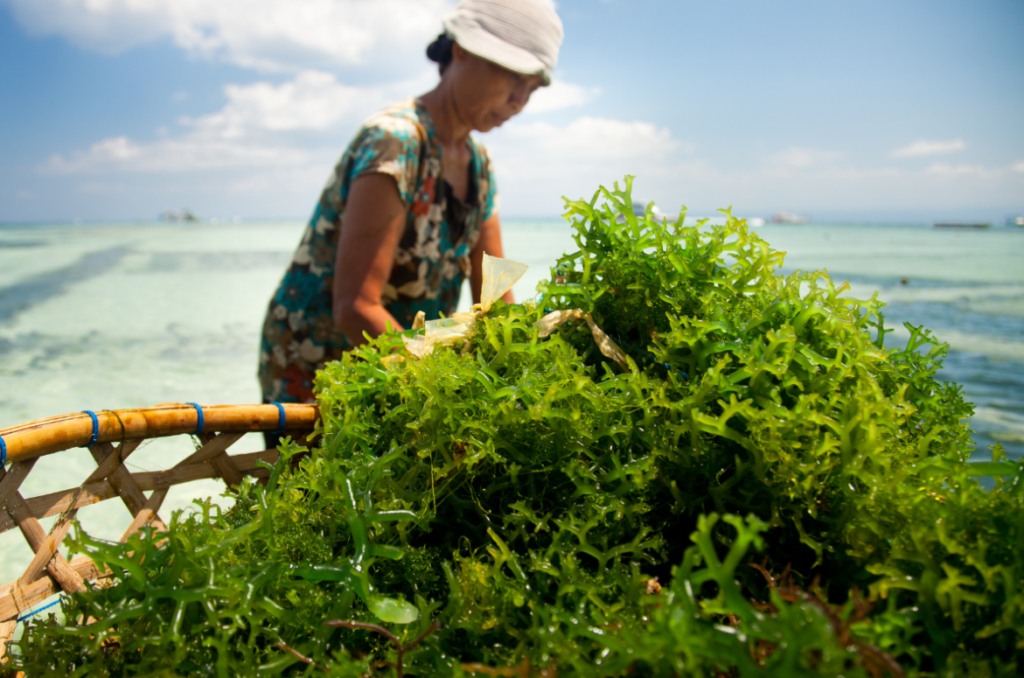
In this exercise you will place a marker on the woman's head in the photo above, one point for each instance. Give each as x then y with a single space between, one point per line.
494 54
521 35
483 93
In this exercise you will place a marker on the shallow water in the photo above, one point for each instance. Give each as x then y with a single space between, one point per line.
966 286
116 315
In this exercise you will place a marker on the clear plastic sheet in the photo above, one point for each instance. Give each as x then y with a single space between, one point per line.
418 346
609 349
499 275
552 321
450 330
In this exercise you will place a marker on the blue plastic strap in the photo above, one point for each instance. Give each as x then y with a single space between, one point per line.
35 612
3 452
95 428
669 368
199 418
280 418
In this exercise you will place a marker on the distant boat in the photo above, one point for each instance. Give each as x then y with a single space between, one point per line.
961 224
1015 221
755 222
182 217
789 218
640 209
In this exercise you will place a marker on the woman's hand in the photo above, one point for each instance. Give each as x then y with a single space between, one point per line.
489 242
371 228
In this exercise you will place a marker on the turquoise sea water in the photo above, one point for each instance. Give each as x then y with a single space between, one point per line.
112 316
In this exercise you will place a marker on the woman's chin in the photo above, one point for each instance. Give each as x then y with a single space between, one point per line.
492 121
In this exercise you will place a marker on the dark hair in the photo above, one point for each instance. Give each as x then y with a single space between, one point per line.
441 51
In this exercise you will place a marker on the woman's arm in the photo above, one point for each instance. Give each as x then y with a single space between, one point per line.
489 242
371 227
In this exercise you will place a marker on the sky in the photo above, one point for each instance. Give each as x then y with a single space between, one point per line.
901 110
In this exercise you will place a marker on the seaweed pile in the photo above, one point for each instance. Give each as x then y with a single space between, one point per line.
762 489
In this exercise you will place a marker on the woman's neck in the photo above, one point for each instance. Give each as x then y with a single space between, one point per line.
449 127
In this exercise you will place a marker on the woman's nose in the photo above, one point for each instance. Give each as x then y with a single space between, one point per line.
519 96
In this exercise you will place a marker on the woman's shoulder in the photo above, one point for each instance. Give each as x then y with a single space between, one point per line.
389 142
403 120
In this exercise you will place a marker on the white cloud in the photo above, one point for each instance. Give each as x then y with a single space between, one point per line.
923 147
313 100
559 95
538 162
251 130
942 169
274 141
801 158
587 139
264 34
187 154
946 170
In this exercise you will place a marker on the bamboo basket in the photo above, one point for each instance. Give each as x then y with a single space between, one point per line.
111 437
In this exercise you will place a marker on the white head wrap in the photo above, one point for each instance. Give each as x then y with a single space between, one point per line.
521 35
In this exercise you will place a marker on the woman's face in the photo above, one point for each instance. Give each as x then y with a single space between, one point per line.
486 94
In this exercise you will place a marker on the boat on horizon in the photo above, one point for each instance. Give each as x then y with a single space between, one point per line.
785 217
640 210
185 216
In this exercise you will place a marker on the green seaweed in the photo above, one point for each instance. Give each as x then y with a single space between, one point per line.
769 490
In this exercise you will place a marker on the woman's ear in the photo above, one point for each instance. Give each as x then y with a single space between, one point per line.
458 53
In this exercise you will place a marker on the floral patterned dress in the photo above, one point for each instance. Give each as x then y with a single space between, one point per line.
431 260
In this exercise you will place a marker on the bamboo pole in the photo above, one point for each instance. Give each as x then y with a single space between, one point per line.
16 599
21 514
6 633
12 478
147 515
36 537
120 479
46 436
222 461
124 450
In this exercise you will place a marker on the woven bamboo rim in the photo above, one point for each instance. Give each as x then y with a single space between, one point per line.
118 434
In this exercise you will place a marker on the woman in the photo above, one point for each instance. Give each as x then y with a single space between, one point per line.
412 206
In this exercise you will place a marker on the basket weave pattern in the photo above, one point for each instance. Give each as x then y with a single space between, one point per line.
118 434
